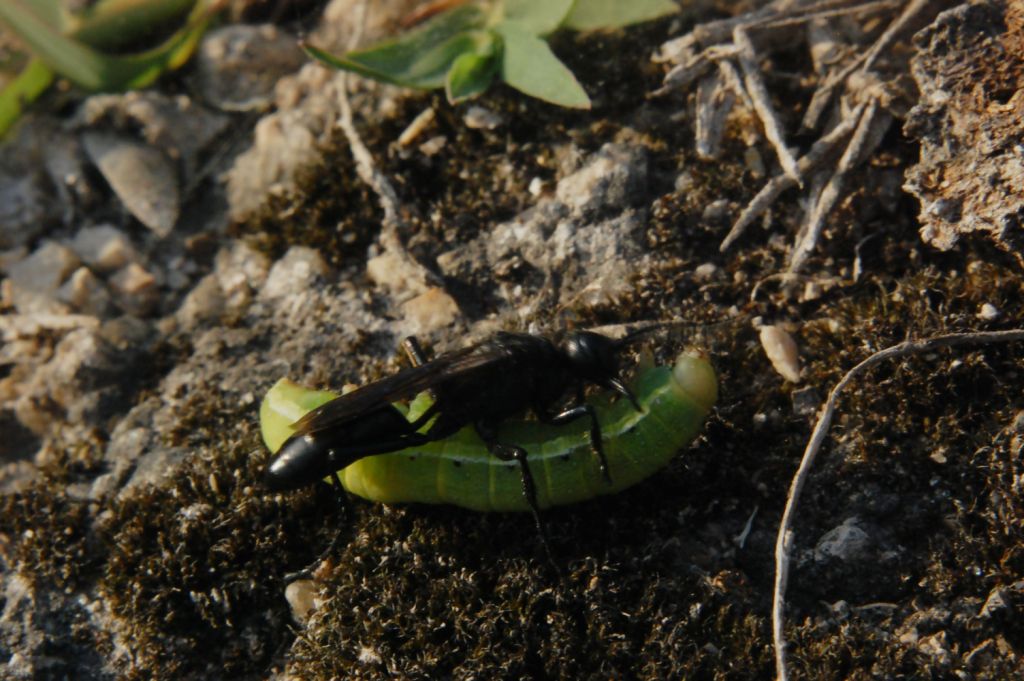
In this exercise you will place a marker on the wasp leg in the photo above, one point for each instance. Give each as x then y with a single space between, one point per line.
307 572
411 440
505 452
417 357
577 412
414 351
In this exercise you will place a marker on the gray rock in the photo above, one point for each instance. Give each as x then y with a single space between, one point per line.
237 67
135 290
128 443
587 238
85 293
204 303
615 177
143 178
40 630
175 125
22 208
33 283
241 271
154 466
103 248
45 270
294 274
285 141
846 542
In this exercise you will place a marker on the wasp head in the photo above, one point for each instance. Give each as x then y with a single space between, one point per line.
595 358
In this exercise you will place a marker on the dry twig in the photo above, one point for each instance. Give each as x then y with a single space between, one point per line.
758 92
871 127
392 223
817 154
863 104
784 540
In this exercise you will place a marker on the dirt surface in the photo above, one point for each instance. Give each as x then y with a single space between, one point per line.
136 539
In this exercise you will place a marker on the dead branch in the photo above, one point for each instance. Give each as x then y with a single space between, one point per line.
784 540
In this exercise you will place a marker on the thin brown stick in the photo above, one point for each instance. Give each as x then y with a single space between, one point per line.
366 168
714 101
758 91
784 541
894 29
872 125
818 152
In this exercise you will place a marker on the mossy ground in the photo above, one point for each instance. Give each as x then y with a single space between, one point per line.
654 584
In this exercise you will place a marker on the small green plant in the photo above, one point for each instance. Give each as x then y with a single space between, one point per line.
95 44
464 48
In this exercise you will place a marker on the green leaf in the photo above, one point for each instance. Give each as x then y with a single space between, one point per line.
529 65
588 15
112 23
420 58
51 12
539 17
92 69
22 91
472 72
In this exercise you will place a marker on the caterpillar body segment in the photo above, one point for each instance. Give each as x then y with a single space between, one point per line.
673 401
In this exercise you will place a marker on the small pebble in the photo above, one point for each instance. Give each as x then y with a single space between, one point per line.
684 182
103 248
431 310
716 211
705 272
479 118
294 272
135 289
85 293
418 126
45 270
143 178
997 603
433 145
754 162
782 352
301 597
203 303
988 313
845 542
806 401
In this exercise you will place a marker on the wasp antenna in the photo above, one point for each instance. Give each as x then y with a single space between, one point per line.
637 332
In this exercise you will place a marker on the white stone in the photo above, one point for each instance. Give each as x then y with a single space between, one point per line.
433 309
782 352
85 293
301 597
135 288
45 270
103 248
295 272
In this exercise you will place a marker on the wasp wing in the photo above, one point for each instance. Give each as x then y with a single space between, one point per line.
402 386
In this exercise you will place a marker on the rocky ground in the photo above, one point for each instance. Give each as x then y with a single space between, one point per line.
167 255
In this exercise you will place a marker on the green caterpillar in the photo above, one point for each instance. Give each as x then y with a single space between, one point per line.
458 470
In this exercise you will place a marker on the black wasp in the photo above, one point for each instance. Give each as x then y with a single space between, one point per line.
480 385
